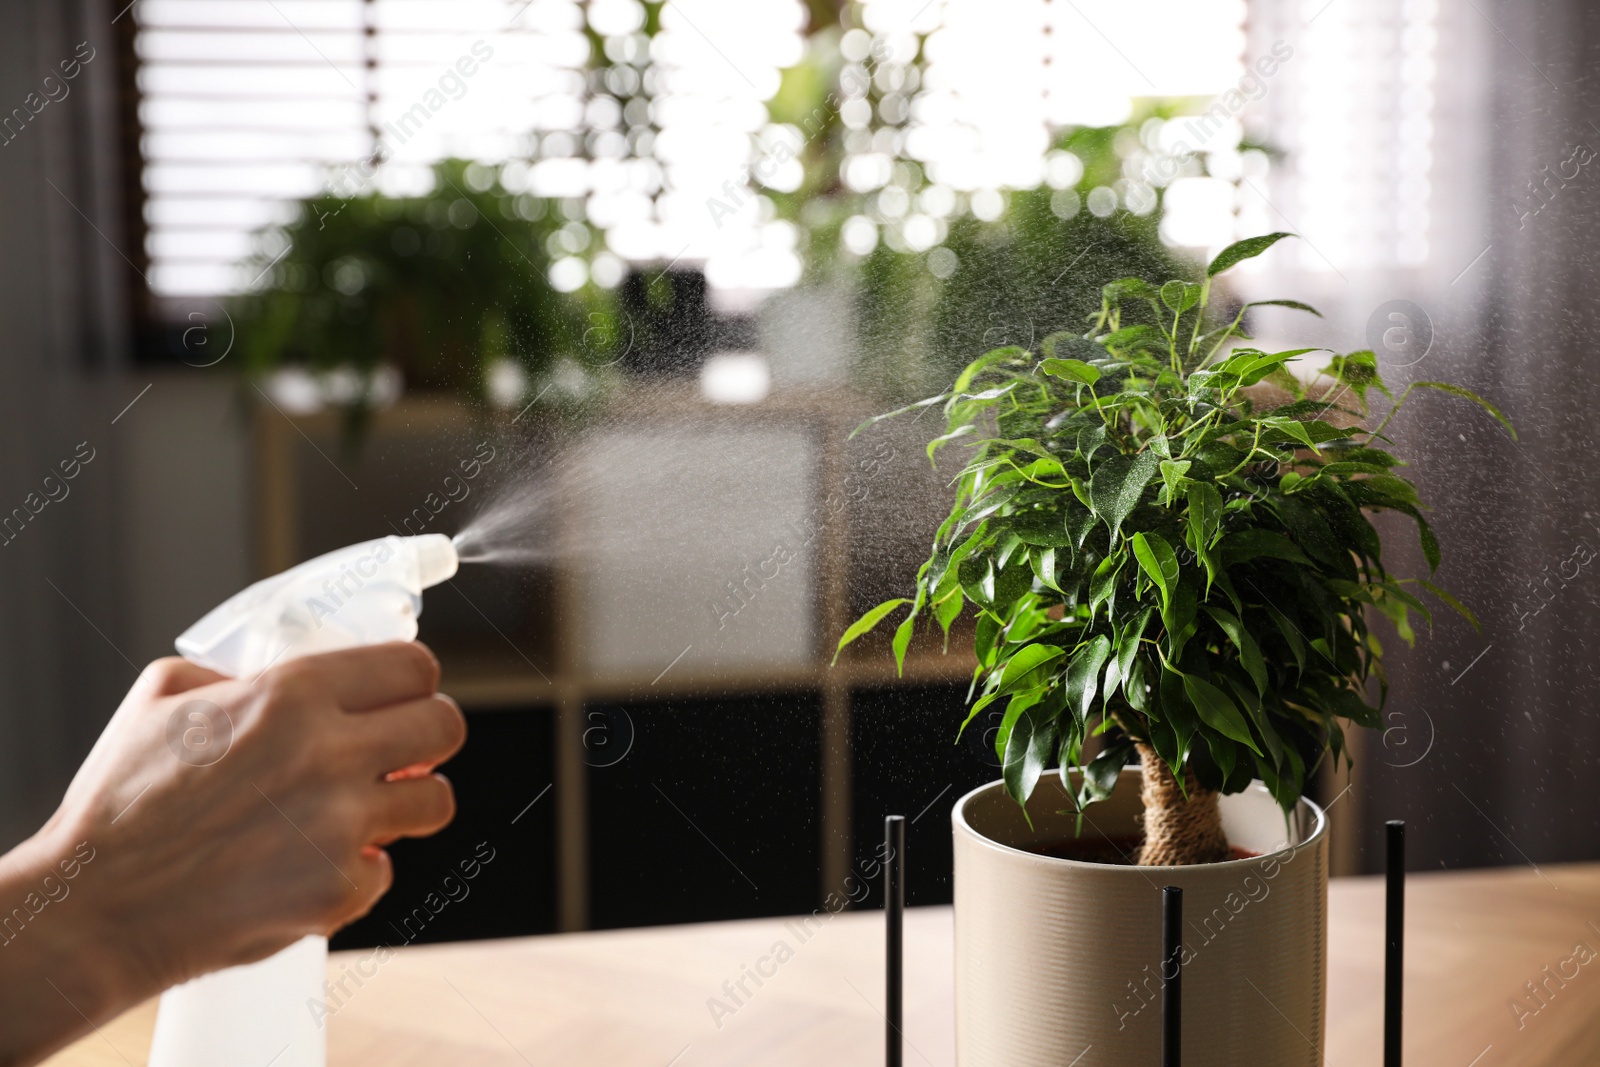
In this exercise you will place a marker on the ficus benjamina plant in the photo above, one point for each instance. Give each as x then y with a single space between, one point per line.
1159 556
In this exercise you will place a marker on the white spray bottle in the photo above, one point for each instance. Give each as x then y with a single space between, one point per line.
272 1012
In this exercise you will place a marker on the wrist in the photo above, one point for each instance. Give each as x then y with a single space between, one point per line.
51 917
59 972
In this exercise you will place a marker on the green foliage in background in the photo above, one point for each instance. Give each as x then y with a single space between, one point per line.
986 282
1153 557
438 285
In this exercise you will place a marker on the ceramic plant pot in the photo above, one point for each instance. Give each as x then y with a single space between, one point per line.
1058 960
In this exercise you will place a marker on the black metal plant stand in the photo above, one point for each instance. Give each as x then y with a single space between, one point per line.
1171 976
1395 949
894 909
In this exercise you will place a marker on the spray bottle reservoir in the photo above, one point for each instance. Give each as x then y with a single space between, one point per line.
273 1012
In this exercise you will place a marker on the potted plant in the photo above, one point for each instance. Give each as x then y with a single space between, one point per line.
443 287
1164 565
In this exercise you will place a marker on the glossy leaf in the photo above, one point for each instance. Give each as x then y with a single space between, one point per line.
1467 394
1083 675
1240 251
1295 304
1028 749
1157 559
1249 652
1218 711
1027 667
1117 484
1073 370
866 623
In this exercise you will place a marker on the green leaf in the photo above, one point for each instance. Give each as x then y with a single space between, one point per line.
1240 251
939 442
1028 747
1358 370
946 611
1245 642
986 636
1295 304
1172 476
1205 515
1044 568
1083 675
1128 644
1103 772
1467 394
1291 636
1073 370
1130 336
978 366
901 411
1080 520
1104 582
1011 584
1460 608
1251 702
1117 484
1136 287
1180 296
1430 543
1135 677
1046 529
1290 427
1258 367
866 623
1218 711
1245 545
1177 617
1029 667
1157 560
1009 542
1349 705
977 579
902 640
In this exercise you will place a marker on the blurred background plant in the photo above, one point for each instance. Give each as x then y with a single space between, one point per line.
484 288
363 296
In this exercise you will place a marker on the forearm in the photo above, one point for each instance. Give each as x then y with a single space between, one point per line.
60 971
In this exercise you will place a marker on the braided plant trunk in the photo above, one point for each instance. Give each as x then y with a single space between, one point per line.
1178 830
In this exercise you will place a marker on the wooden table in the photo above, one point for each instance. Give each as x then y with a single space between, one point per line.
643 997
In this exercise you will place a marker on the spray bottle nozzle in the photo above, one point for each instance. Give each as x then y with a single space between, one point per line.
436 558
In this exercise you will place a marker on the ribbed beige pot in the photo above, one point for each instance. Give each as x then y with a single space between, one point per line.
1058 961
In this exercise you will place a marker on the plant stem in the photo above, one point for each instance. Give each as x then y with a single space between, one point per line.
1248 456
1182 823
1390 415
1199 316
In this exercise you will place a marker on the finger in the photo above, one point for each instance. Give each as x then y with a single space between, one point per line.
416 807
373 676
426 732
173 674
372 873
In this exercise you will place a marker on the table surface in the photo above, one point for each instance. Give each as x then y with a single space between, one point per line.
645 997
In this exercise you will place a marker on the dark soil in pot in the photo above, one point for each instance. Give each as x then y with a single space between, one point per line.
1118 849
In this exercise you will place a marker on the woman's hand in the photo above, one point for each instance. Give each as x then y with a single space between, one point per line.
217 821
